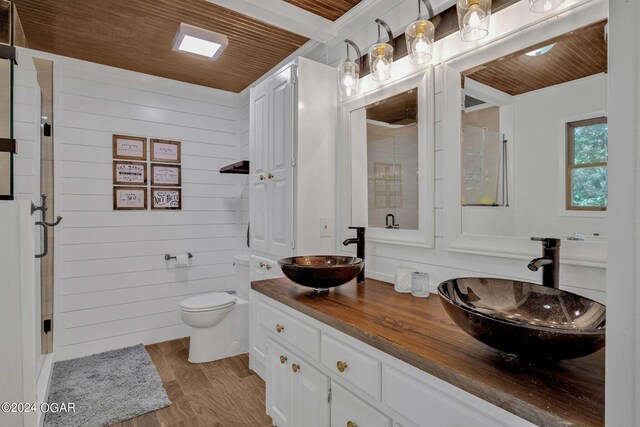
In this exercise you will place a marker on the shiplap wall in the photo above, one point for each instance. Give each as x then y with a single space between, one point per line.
114 287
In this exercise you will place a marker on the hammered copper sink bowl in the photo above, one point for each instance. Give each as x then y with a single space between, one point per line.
525 319
321 272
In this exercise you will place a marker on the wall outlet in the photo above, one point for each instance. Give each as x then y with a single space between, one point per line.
325 231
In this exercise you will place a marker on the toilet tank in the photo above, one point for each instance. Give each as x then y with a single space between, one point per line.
243 283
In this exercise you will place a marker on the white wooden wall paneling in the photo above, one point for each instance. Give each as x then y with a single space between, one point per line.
114 287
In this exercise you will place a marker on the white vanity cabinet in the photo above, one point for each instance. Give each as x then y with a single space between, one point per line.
318 376
292 136
297 393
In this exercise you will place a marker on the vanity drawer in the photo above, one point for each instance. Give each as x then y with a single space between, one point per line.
435 403
352 365
291 330
347 408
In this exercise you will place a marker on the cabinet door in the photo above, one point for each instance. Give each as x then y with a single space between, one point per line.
347 409
311 394
279 376
281 96
259 154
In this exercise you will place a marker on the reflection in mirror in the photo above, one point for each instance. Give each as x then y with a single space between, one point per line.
392 162
534 140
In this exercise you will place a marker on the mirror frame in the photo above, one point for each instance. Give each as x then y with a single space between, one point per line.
590 253
424 236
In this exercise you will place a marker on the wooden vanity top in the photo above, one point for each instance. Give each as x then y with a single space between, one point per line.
419 332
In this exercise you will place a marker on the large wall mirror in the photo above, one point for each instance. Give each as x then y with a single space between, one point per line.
391 139
533 135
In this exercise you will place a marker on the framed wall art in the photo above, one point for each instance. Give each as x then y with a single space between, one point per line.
129 198
166 198
165 151
129 147
166 175
129 173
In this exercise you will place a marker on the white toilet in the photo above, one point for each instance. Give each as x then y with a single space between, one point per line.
219 321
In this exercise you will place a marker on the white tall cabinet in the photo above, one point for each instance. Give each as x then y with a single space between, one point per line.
293 169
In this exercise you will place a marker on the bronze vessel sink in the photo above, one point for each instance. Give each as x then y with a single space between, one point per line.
321 272
525 319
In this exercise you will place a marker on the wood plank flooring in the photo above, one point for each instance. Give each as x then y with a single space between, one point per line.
223 393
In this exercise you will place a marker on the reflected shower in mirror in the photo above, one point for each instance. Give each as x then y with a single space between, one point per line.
392 162
533 140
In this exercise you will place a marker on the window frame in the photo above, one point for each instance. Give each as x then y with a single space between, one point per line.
570 165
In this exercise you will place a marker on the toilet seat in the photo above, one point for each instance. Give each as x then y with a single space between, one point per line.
208 302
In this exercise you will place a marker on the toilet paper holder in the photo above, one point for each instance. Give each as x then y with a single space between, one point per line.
167 257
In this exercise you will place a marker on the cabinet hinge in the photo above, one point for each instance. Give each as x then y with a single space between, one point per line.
293 244
329 396
293 161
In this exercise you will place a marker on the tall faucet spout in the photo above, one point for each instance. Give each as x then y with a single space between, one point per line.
536 263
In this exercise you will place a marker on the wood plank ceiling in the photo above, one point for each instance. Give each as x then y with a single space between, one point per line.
138 35
329 9
577 54
401 109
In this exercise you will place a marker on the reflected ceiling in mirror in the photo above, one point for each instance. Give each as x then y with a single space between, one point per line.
572 56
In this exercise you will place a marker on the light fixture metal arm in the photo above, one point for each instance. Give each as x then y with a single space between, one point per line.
427 3
384 25
355 47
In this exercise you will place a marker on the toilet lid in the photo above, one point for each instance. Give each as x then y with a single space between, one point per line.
208 301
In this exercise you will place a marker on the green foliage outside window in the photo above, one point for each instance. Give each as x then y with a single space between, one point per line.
587 175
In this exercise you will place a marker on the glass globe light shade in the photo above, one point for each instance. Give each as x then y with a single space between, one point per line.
473 19
420 36
380 60
542 6
348 76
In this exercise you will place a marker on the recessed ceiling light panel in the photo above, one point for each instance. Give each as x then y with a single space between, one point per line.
541 51
199 41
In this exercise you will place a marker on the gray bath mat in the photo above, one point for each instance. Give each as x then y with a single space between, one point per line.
106 388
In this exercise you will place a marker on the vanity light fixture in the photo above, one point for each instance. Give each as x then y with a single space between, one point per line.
349 71
420 36
381 55
199 41
543 6
473 19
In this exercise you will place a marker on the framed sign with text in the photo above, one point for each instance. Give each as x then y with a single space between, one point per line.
169 175
129 198
129 147
129 173
166 198
165 151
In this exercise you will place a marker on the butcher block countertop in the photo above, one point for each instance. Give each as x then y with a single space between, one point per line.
419 332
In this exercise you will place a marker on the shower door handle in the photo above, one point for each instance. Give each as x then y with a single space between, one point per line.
45 238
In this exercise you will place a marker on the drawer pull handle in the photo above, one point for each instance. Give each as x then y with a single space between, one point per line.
261 177
262 265
267 266
341 366
283 359
351 424
279 328
295 367
270 176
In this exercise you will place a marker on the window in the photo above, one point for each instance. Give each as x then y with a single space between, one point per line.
587 142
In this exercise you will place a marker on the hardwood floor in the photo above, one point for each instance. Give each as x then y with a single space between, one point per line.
223 393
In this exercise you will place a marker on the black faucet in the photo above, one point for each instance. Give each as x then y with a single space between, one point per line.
550 262
393 221
359 240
